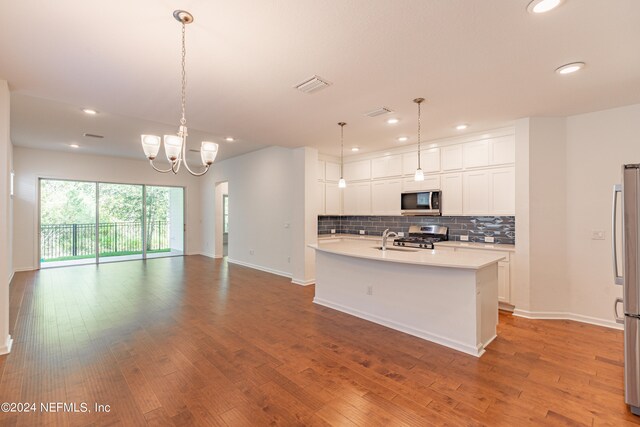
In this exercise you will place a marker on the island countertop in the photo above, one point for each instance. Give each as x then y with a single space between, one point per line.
367 249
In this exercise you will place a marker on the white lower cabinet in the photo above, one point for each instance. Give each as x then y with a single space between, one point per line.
385 197
357 199
504 270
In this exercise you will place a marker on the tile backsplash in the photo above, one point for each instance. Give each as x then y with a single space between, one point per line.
501 228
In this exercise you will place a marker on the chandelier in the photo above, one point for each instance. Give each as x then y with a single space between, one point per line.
175 146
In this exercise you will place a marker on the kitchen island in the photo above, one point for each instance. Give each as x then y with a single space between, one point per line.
445 297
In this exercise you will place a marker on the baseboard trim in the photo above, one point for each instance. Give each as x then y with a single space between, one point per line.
303 282
6 348
259 267
456 345
21 269
207 254
558 315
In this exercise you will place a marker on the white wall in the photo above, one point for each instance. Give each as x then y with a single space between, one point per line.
6 270
598 144
262 202
31 164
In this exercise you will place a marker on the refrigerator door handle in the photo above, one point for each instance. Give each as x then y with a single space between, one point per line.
615 311
617 278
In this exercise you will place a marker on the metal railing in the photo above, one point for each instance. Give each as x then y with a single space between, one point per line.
68 241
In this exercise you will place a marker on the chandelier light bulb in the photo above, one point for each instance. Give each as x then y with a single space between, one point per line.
208 152
150 145
172 147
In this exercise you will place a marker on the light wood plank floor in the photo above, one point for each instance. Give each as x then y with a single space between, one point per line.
194 341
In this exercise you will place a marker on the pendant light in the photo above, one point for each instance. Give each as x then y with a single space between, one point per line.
175 146
419 176
342 183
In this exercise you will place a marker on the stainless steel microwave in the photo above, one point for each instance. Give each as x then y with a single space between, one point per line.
421 202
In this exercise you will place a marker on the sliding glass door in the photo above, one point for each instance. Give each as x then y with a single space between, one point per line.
120 231
134 222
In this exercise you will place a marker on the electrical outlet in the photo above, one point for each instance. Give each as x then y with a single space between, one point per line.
333 231
597 235
489 239
369 290
361 231
401 234
464 238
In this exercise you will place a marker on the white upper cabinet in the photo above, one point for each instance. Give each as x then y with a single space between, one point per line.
429 160
387 166
332 199
320 170
475 154
502 192
475 186
451 187
385 197
357 171
357 198
332 172
503 150
451 157
431 182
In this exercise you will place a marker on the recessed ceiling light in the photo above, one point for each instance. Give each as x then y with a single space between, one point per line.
403 138
462 126
74 146
393 121
354 149
570 68
89 111
542 6
229 139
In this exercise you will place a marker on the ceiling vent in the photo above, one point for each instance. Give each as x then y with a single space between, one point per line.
93 135
312 85
378 112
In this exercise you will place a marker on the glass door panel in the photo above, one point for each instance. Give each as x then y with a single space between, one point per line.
164 221
67 223
120 230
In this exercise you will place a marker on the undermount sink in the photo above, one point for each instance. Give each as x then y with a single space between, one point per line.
393 248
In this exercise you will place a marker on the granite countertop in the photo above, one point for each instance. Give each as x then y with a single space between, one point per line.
449 243
366 248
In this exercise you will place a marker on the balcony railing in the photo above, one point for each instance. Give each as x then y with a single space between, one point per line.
75 241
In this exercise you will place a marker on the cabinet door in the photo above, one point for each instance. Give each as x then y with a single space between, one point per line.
332 172
431 182
409 163
502 192
387 166
320 170
349 200
451 157
504 282
503 150
333 196
385 197
357 171
320 206
430 160
476 193
451 187
475 154
363 201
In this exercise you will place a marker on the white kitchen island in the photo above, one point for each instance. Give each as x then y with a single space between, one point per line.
446 297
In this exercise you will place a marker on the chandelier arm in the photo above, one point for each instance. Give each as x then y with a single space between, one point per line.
159 170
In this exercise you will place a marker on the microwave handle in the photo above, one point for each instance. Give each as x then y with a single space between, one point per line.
431 200
617 278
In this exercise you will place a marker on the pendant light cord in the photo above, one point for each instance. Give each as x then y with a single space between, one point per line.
418 101
183 120
341 124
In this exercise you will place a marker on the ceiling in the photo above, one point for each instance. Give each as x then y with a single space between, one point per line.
485 63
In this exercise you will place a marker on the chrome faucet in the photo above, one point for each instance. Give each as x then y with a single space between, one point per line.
385 236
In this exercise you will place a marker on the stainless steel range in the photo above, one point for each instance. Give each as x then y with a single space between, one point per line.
423 236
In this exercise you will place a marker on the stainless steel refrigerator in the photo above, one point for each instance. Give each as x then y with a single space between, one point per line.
626 268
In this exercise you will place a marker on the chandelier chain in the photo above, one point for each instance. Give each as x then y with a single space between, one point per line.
183 120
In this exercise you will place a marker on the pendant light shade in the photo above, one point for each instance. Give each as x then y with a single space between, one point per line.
419 175
342 183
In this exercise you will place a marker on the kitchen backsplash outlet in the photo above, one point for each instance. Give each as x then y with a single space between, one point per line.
501 228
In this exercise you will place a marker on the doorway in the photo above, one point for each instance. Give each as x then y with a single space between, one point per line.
223 225
96 222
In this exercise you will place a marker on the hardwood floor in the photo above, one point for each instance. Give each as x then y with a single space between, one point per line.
194 341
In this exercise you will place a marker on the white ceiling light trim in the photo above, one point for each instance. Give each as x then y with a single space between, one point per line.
570 68
542 6
393 121
462 126
175 146
89 111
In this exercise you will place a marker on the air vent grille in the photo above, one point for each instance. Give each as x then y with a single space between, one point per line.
378 112
312 85
93 135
